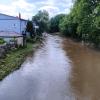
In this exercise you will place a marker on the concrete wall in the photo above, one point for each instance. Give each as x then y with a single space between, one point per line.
19 40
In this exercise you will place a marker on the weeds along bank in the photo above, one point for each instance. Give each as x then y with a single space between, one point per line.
16 57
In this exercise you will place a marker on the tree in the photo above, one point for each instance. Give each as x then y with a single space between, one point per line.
41 19
95 34
83 22
30 29
68 26
54 23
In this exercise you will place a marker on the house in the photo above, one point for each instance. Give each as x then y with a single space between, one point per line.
12 24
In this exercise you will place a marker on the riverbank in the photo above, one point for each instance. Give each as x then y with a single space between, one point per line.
92 46
15 58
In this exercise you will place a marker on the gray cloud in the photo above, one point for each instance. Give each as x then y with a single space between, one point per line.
54 6
29 8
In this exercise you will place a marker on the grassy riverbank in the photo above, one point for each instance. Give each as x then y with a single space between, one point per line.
15 58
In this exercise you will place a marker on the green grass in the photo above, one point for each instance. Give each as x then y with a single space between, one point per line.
14 59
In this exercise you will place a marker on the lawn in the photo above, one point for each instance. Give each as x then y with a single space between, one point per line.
14 59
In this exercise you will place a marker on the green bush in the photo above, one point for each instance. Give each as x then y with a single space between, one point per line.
83 21
2 41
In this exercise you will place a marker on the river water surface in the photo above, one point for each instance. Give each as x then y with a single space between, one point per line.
59 70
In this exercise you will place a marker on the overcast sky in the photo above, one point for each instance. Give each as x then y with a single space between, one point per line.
28 8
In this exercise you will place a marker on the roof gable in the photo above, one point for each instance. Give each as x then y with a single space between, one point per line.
7 17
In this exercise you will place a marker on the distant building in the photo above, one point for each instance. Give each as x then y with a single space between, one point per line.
12 24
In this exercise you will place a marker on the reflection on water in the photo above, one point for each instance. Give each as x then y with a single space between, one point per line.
45 76
60 70
85 79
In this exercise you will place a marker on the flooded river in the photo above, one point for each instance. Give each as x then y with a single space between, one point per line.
59 70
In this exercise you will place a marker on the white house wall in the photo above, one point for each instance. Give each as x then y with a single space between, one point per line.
23 25
13 24
10 25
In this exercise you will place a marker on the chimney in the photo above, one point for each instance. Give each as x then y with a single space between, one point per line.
19 16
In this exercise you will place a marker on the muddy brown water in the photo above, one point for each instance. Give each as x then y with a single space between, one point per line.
85 70
60 69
